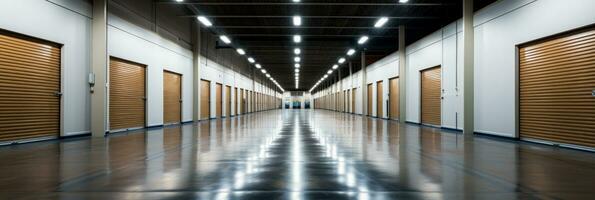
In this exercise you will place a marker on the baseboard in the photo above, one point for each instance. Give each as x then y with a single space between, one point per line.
154 126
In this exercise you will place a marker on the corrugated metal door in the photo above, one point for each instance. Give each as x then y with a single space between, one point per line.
205 99
237 99
218 100
353 92
29 89
172 98
379 99
557 89
127 90
394 98
227 101
370 98
431 96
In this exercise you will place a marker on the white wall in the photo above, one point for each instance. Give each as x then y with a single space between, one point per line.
68 22
499 28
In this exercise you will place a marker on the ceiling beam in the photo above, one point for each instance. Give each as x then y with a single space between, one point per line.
291 35
202 3
313 16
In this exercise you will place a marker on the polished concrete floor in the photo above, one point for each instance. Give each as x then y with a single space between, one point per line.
294 155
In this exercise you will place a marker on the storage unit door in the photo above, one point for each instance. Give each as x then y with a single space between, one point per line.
557 90
29 89
353 92
172 98
431 96
236 102
126 95
370 93
219 100
394 98
205 98
227 101
379 100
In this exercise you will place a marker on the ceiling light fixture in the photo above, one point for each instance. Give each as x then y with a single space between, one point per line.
225 39
329 71
297 65
297 20
297 51
241 51
297 38
264 71
297 70
335 66
341 60
381 22
297 59
350 52
268 75
258 66
204 21
363 39
400 1
251 60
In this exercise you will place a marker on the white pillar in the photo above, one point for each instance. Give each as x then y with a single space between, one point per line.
363 85
402 75
196 71
99 63
468 93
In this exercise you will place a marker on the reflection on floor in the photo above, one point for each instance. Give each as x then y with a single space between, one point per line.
294 155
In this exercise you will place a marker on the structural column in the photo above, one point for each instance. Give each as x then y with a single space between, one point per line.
363 85
350 89
468 77
196 71
99 63
402 75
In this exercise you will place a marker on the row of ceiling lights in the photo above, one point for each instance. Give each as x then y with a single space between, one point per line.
297 21
206 22
362 40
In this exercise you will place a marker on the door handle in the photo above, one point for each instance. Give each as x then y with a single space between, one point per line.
144 98
593 93
58 94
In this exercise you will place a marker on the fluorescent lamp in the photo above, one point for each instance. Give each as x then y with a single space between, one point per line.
297 38
297 20
363 40
225 39
258 66
335 66
297 51
381 22
297 59
241 51
341 60
251 60
264 71
350 52
204 20
297 65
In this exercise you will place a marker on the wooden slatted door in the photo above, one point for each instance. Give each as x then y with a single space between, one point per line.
127 90
236 102
431 96
172 98
29 89
557 89
218 100
394 98
242 101
228 101
205 99
370 98
379 99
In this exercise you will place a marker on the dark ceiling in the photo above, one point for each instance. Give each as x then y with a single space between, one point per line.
330 27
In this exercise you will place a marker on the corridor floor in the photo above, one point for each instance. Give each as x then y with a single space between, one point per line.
294 155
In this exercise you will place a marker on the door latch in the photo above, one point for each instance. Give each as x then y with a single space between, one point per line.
58 94
593 93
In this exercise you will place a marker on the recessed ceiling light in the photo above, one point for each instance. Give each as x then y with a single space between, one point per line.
341 60
204 21
258 66
241 51
297 20
297 51
297 59
297 65
225 39
335 66
264 71
350 52
251 60
362 40
297 38
381 22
